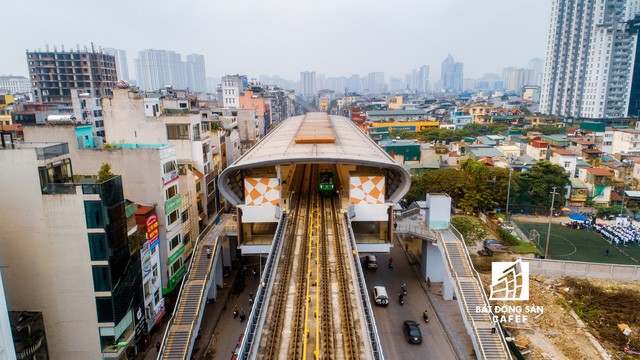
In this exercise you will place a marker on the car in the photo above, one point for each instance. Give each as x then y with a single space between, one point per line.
371 262
412 332
236 351
488 242
380 295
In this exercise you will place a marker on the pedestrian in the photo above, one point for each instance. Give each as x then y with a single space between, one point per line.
208 253
406 247
493 328
428 282
158 346
606 251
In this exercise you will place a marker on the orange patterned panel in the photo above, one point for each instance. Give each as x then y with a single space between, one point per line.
366 189
259 191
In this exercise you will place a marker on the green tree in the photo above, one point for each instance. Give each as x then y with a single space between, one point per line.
477 194
449 181
538 181
105 173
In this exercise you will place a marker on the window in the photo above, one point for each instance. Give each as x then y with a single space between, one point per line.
178 132
93 214
174 242
104 307
185 216
169 166
567 164
185 238
171 218
154 272
171 191
101 278
98 246
176 266
156 296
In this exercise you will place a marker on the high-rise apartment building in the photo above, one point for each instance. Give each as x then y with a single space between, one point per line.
591 58
308 83
122 66
156 69
515 78
54 74
451 74
537 66
196 74
375 82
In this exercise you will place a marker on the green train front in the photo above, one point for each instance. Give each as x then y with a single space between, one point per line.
326 184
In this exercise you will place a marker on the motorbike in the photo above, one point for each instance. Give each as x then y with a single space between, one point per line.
242 316
235 314
401 298
425 316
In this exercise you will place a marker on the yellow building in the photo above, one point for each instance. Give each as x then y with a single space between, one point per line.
538 120
324 105
5 100
395 103
480 113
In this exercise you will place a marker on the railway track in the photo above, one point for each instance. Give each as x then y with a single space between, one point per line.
312 309
273 338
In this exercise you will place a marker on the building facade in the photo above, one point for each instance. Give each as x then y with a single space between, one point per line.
591 57
74 263
308 83
54 74
15 84
451 74
122 66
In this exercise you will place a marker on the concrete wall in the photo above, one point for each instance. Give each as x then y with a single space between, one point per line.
7 350
584 269
45 252
438 214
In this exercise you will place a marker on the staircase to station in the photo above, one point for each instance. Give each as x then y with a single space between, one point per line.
468 289
184 324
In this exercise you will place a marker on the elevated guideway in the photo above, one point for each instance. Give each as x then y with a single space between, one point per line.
313 302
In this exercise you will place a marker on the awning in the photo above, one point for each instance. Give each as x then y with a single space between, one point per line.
201 216
578 217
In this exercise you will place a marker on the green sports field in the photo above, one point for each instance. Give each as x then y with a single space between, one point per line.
581 245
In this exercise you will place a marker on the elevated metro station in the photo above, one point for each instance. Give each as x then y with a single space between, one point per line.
365 179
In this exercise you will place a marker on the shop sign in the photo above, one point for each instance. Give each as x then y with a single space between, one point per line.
145 255
175 255
173 204
170 176
152 230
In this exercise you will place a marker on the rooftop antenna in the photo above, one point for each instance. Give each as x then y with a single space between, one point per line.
47 47
62 47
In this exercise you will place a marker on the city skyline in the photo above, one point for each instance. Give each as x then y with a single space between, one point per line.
295 25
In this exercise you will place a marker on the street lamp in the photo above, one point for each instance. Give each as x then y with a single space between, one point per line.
553 198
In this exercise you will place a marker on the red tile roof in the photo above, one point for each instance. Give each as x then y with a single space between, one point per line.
600 172
564 152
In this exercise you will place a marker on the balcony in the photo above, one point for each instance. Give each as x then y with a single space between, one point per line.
44 150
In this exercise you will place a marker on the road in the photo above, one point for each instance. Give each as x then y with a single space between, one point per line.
389 319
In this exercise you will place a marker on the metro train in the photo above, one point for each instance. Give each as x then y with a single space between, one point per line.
326 183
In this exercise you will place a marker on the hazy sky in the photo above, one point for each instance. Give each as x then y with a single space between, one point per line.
284 37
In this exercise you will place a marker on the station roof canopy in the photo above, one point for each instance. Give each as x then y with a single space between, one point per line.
292 142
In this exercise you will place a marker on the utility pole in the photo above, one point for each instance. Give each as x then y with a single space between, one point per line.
553 198
508 193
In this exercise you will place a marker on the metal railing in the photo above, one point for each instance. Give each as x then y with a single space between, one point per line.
477 279
246 346
185 282
374 337
420 230
406 214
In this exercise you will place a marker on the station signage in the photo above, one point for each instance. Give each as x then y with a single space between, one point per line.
152 230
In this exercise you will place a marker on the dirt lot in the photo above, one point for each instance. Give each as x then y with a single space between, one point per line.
559 333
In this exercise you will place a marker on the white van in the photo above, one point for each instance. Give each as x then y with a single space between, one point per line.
380 295
371 262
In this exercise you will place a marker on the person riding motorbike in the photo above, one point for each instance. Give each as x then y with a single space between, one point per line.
425 315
